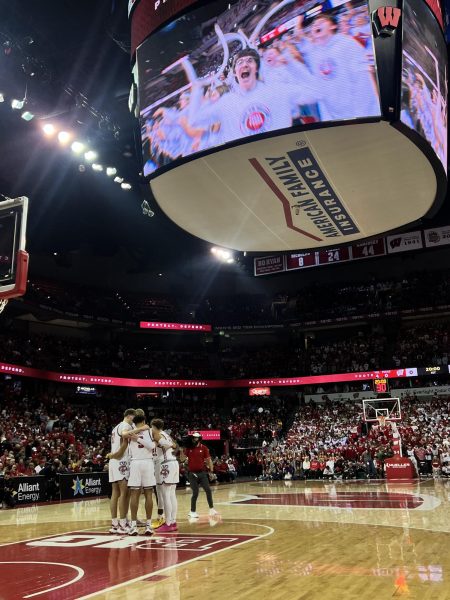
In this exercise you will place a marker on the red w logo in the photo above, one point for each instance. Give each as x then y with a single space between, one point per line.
387 19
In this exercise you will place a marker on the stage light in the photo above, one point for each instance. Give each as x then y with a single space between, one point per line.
230 260
125 186
64 137
77 147
2 97
110 171
97 167
118 179
90 155
27 116
49 129
17 104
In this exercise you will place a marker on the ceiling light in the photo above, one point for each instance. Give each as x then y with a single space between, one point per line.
118 179
97 167
90 155
27 116
17 104
48 129
64 137
2 97
222 254
125 186
110 171
77 147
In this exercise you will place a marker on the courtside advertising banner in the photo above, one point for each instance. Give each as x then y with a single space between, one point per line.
28 490
438 236
229 71
404 242
83 485
424 77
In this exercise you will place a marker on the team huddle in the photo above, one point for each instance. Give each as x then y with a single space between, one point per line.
142 456
321 69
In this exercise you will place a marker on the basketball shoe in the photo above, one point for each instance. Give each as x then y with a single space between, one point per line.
157 523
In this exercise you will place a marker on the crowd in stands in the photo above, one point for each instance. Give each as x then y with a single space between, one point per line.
49 435
419 346
416 291
330 441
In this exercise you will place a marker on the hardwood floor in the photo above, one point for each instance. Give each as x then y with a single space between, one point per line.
311 541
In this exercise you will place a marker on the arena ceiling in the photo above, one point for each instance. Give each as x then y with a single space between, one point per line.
70 59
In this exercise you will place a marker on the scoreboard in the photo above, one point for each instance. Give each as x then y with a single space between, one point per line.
303 260
381 385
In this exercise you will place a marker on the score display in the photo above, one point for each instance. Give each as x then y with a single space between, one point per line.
303 260
381 386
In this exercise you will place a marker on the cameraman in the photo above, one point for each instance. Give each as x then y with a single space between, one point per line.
199 462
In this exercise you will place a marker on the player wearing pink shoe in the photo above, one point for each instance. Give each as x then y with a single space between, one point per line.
167 474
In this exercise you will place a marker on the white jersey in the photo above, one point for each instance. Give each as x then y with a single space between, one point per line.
262 109
116 436
142 447
164 450
342 61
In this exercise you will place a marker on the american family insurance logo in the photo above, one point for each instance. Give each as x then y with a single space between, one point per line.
307 196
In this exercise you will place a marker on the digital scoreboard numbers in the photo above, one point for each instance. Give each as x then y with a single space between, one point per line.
381 386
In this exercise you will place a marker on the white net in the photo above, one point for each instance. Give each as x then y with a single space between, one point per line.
381 420
3 303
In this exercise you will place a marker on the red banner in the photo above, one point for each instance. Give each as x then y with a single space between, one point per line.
208 434
174 326
259 391
21 371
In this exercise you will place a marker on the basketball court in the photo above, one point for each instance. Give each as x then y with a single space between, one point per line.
315 540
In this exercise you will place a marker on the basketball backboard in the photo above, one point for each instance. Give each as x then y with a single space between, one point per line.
13 256
389 408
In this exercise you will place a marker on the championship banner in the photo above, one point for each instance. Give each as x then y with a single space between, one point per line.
27 490
83 485
403 242
438 236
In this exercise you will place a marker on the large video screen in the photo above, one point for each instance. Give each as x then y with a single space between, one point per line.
227 71
424 76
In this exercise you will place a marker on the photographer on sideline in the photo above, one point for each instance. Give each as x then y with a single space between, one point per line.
199 462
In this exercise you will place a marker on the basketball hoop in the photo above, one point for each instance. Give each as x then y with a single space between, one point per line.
3 303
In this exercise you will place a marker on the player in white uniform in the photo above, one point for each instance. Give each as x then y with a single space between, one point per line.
167 473
119 470
252 106
341 61
142 473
